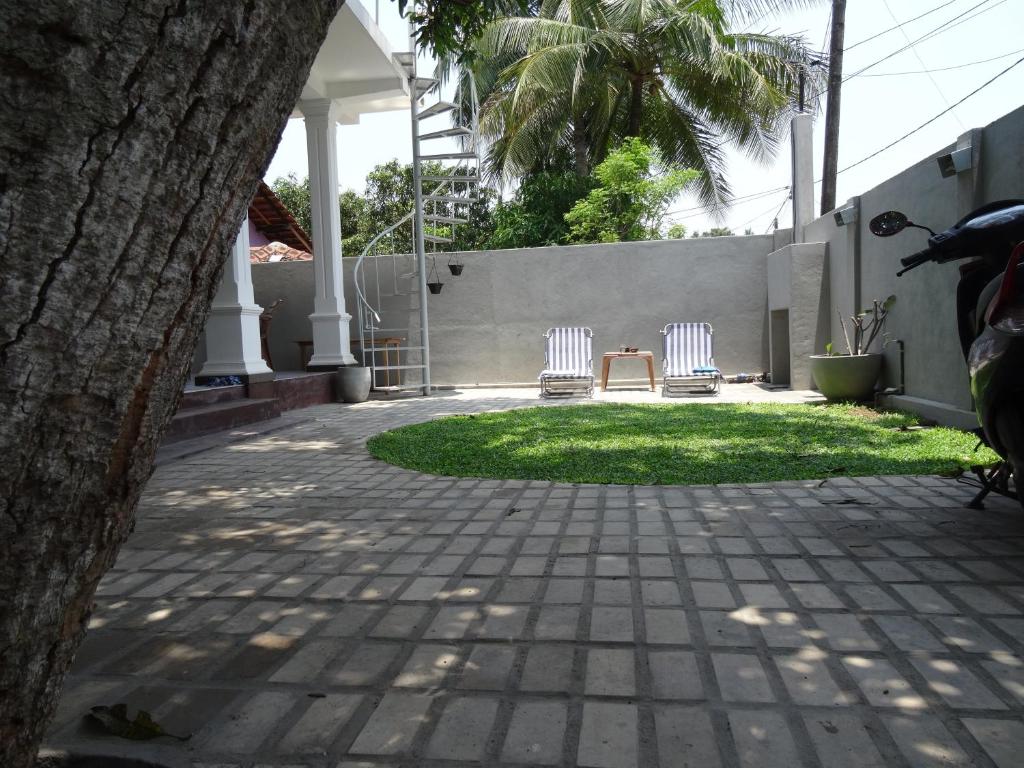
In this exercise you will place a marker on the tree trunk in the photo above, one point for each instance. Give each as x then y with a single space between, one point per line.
830 169
636 106
580 150
132 135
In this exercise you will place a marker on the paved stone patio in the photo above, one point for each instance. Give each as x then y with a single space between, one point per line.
290 601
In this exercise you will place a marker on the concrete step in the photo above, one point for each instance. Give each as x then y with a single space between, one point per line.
200 396
214 417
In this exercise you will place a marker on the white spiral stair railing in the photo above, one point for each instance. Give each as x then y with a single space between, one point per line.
391 287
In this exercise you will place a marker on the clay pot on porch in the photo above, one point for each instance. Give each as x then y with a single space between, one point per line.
352 384
846 377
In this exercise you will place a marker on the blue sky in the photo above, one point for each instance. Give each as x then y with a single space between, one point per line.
878 106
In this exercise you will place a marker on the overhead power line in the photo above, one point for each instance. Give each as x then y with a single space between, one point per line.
936 117
942 28
776 216
699 210
947 69
900 25
920 61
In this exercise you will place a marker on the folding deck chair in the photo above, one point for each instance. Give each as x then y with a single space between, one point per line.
689 363
568 362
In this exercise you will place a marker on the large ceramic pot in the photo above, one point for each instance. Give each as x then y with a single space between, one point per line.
846 377
352 384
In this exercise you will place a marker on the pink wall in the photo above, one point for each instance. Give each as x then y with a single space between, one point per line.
256 238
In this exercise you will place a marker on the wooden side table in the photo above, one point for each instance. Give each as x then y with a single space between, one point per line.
386 344
606 364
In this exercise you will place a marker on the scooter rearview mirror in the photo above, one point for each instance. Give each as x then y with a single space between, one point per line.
888 223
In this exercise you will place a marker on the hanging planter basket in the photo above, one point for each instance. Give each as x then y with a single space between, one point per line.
433 279
455 266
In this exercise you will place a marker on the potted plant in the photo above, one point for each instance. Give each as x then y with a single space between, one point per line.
852 376
433 279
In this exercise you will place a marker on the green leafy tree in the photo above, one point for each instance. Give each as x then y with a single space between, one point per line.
676 232
584 74
295 195
388 198
536 215
447 27
633 194
714 232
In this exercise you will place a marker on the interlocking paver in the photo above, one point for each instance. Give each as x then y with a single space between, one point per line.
808 680
926 743
610 672
954 683
608 737
548 668
320 724
843 741
686 738
536 733
487 668
1001 739
611 624
741 677
295 602
463 729
675 675
881 684
393 724
762 737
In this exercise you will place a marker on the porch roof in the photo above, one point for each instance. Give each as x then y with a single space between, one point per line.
356 69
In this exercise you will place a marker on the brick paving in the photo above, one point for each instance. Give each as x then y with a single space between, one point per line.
290 601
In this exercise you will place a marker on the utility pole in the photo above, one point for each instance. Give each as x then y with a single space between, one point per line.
835 85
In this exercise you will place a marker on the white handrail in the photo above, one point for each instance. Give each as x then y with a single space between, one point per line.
357 270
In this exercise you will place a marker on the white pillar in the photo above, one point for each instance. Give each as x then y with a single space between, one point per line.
233 326
801 133
329 320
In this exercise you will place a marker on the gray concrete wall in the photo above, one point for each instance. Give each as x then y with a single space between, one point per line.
486 325
863 267
293 282
798 304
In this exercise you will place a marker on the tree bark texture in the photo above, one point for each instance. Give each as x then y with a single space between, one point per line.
132 135
636 105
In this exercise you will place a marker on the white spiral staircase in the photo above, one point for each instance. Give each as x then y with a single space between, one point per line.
392 287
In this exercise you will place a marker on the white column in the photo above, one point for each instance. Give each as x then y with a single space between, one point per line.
329 319
233 326
801 132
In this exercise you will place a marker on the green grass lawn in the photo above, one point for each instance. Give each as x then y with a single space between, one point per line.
678 444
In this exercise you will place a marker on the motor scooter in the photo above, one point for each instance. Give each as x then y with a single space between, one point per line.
990 321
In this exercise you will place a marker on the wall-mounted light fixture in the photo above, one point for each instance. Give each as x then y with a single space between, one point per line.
845 215
955 162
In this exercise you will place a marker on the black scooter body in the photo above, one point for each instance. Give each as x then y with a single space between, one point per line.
995 359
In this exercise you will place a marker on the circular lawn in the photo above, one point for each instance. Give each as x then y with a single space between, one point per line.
680 444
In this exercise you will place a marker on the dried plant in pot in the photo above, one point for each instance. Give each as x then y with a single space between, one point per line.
852 376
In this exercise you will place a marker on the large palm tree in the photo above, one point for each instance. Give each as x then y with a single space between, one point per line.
581 75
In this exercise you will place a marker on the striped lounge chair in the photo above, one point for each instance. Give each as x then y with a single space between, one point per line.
689 363
568 362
